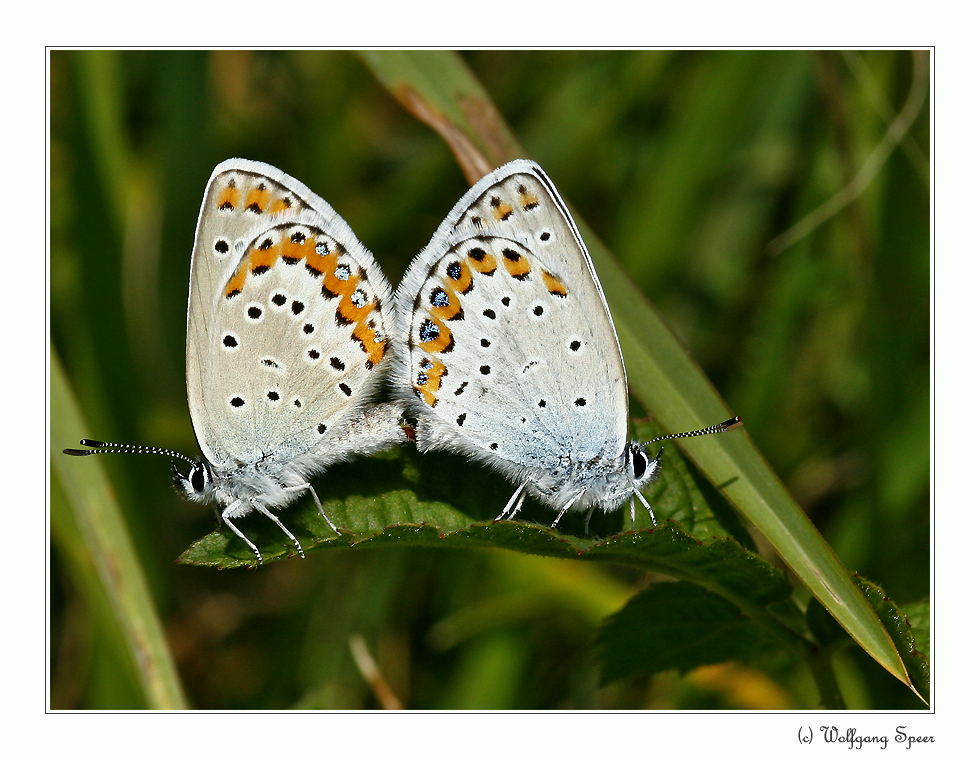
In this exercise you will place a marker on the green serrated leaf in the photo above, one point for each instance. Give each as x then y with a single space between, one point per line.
900 629
908 628
676 625
720 564
917 614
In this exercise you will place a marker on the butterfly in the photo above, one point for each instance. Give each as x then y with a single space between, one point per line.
288 338
505 351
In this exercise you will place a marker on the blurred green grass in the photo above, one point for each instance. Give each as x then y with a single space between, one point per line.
686 164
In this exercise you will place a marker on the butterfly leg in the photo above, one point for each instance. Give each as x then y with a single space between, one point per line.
647 505
320 507
516 501
234 529
567 506
309 487
268 513
588 517
632 513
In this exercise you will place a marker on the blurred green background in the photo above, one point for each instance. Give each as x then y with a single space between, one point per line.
687 164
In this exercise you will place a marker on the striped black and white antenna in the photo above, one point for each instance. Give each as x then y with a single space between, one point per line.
721 427
103 447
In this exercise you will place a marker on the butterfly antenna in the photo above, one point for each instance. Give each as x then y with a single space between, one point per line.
721 427
102 447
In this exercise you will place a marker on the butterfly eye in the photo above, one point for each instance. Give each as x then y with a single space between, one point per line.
640 462
197 477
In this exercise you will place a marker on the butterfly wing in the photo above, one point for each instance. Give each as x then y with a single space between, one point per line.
287 320
506 347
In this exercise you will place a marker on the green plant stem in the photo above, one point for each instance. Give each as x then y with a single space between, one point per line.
820 662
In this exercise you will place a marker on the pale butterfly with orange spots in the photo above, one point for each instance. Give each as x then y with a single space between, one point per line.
506 351
288 325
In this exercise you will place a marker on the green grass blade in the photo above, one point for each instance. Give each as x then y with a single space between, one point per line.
440 90
107 557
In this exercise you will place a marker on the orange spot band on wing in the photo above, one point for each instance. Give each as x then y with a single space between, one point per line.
458 277
441 340
528 199
373 344
482 262
350 312
264 257
333 282
237 282
257 260
320 264
228 198
502 211
299 248
433 382
554 285
279 205
516 265
451 310
257 199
